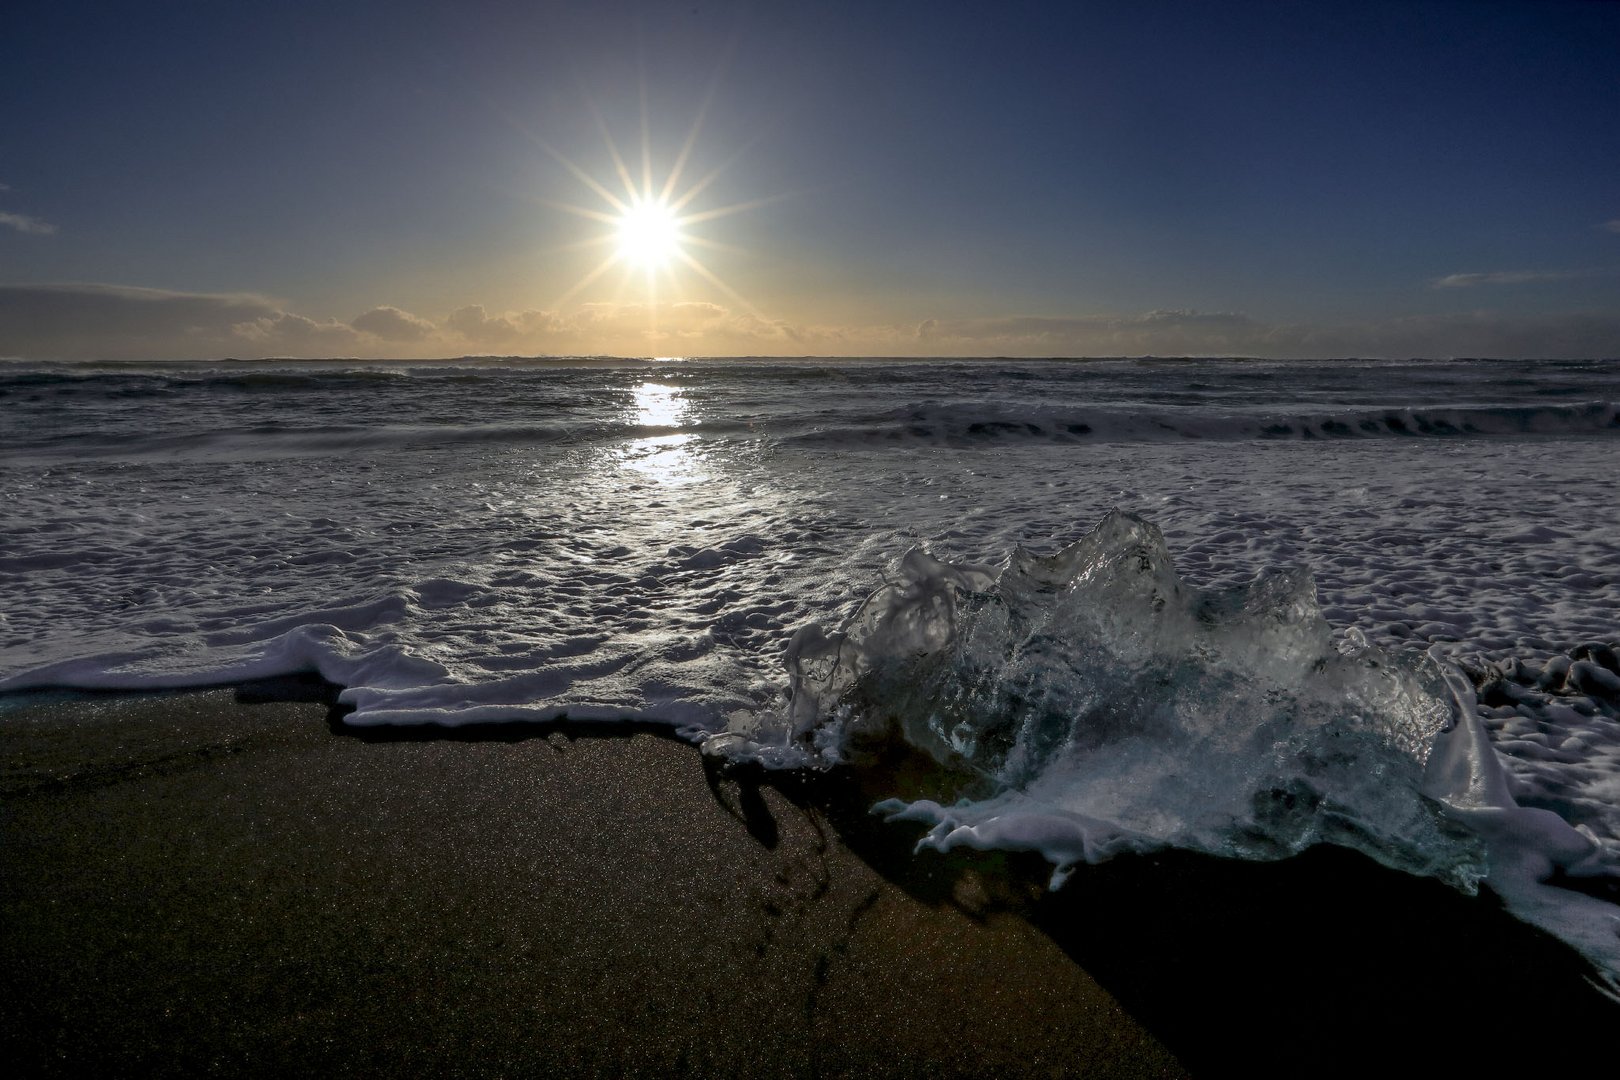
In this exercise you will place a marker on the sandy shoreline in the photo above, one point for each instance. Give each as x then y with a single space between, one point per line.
198 884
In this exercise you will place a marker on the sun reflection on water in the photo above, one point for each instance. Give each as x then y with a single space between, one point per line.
665 459
658 405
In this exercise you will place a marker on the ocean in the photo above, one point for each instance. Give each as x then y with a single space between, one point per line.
1234 606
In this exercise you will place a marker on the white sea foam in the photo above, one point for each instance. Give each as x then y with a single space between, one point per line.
502 539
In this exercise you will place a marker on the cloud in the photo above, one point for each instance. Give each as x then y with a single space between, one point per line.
473 323
1611 226
25 224
392 324
475 326
284 333
1186 333
1507 277
89 321
622 329
96 321
120 322
1163 333
114 321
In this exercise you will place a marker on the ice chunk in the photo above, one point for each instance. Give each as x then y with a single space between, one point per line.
1094 687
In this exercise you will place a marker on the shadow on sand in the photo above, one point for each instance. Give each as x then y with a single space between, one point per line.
1325 963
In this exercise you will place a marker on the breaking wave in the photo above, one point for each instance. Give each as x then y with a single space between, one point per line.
959 424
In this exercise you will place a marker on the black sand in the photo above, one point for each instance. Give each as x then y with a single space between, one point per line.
194 885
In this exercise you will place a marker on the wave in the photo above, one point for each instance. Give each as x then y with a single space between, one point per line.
268 441
967 424
271 441
125 383
964 426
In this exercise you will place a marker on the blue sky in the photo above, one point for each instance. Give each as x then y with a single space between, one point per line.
384 179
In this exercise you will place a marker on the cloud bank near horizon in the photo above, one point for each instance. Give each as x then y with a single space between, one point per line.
114 322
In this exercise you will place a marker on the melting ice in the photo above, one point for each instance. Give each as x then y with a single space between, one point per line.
1117 708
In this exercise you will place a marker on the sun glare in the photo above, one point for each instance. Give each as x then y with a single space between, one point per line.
649 233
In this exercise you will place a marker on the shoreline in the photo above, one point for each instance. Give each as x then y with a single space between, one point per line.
229 881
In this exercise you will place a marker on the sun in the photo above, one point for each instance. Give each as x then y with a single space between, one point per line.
650 226
648 233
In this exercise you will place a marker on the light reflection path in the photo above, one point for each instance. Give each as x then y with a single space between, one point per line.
667 459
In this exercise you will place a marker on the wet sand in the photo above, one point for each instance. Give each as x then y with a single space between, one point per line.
212 883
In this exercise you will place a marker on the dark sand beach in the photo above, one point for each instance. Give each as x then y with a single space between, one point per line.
228 882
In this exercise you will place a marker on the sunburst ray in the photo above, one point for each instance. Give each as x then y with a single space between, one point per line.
650 223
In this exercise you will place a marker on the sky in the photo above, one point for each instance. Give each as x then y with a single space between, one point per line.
201 180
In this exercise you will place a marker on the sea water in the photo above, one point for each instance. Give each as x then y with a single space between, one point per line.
1235 606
